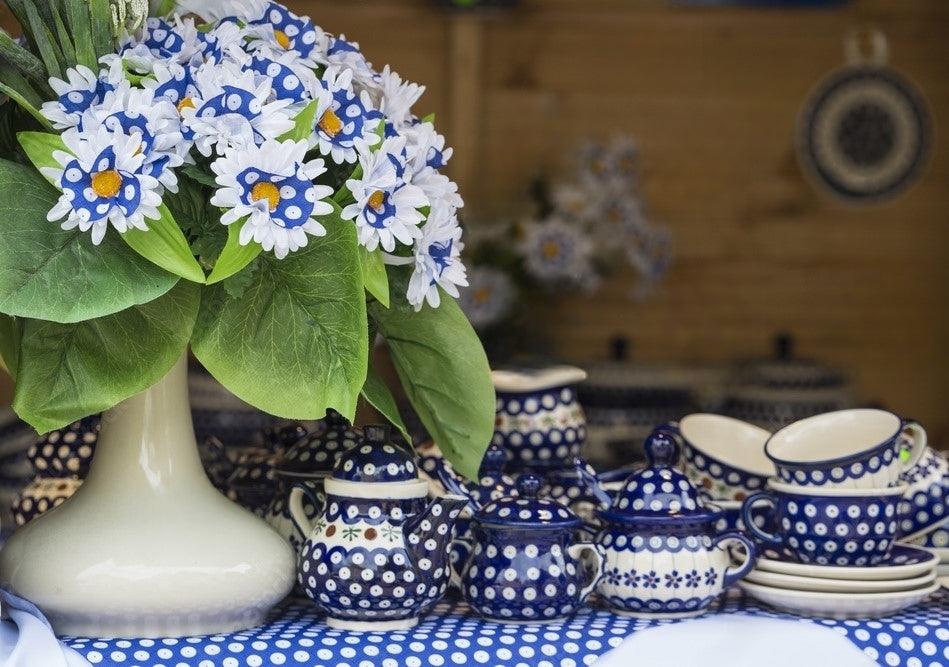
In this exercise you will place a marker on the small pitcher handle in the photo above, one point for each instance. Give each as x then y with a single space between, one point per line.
751 526
297 513
918 434
576 551
733 574
464 548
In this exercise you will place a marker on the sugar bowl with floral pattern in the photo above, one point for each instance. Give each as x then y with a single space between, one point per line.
665 557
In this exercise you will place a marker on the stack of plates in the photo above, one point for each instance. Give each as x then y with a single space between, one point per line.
935 541
906 578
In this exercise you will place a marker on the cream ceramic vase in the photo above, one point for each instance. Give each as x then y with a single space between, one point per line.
147 547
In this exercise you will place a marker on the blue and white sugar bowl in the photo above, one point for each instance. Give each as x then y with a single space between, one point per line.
524 564
664 555
377 557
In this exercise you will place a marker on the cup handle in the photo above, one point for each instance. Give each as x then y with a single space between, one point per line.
295 505
918 435
464 547
750 525
576 552
733 574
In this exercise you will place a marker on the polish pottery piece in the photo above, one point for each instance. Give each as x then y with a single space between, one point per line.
926 502
847 449
844 527
42 495
664 555
492 483
66 452
540 424
308 461
377 557
524 565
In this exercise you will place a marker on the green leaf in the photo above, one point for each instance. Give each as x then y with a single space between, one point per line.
54 274
162 8
166 246
13 78
302 124
444 371
294 344
68 371
374 275
77 15
63 37
235 256
430 118
45 43
39 147
199 175
100 21
25 104
377 394
10 334
31 66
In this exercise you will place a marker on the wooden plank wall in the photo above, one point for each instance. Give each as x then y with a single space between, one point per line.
712 95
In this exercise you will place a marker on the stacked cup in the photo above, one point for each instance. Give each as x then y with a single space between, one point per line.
838 489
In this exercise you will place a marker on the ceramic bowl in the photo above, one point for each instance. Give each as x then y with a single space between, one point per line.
724 457
847 449
926 502
843 527
66 452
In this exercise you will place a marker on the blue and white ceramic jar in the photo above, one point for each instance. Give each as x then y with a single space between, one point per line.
665 557
540 423
524 564
377 557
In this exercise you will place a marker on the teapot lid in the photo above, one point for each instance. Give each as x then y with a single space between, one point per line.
316 453
376 460
526 510
660 491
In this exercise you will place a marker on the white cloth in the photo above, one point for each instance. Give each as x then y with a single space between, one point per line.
736 640
27 638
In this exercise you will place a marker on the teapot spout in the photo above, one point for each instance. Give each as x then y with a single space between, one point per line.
429 533
592 481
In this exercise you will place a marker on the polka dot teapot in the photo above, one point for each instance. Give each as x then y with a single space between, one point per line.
378 555
665 558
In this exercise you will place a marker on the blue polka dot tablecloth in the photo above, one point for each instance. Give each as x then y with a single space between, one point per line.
453 635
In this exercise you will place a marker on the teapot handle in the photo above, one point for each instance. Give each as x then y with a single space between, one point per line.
576 552
733 574
297 513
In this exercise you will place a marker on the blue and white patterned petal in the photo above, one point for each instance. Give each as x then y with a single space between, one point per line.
280 29
343 117
81 90
437 258
292 82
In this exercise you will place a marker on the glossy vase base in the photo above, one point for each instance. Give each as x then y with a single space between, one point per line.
371 626
147 547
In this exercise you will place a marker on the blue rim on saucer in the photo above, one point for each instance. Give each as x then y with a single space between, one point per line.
900 555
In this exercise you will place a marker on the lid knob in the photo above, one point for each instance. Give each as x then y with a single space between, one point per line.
376 434
493 463
662 448
528 486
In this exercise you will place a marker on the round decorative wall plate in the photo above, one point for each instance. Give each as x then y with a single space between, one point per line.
865 133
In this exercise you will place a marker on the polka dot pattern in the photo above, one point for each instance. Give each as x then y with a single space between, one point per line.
877 468
453 635
371 463
540 430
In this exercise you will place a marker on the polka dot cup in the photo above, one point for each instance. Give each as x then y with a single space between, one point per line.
845 527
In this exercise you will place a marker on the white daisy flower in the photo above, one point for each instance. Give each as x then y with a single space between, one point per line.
135 111
618 217
344 54
396 98
225 43
176 40
272 187
342 117
273 25
231 109
426 155
437 259
575 203
103 182
489 297
386 207
82 89
215 10
556 252
438 187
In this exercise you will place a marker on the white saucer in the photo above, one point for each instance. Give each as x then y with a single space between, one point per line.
795 583
904 562
837 605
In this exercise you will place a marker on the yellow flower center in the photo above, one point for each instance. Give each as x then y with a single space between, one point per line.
268 191
107 183
551 249
282 39
330 123
186 103
377 201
